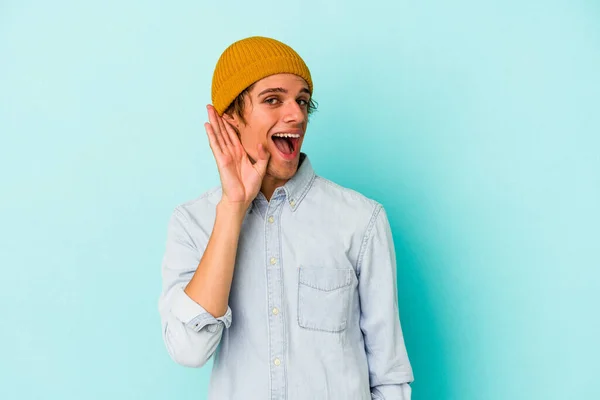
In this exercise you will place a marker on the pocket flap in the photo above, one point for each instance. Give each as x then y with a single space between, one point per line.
325 278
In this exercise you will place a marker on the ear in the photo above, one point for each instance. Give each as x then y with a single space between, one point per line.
233 120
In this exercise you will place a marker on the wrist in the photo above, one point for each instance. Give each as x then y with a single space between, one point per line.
232 208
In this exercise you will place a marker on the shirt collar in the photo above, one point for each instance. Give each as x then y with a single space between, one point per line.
296 188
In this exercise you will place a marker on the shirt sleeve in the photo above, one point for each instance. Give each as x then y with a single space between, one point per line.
190 333
390 372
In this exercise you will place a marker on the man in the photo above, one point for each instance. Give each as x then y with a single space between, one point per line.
287 278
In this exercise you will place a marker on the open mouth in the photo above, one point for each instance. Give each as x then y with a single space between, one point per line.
286 143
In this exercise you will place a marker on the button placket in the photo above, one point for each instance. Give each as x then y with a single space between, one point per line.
275 287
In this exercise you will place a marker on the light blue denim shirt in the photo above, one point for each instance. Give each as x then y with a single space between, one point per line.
313 307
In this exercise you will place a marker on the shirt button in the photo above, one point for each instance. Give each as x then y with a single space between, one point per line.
273 260
292 203
271 219
277 361
275 311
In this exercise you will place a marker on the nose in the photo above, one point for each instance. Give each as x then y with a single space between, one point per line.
293 113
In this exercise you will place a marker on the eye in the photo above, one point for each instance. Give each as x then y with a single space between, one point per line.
303 102
271 100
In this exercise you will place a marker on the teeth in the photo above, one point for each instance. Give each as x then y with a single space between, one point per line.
290 135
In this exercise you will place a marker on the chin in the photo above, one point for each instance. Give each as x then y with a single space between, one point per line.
283 170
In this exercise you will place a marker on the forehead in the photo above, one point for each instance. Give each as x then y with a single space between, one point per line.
291 82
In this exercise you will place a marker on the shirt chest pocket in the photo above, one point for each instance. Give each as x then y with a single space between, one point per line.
324 296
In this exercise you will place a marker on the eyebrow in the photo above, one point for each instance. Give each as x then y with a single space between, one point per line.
281 90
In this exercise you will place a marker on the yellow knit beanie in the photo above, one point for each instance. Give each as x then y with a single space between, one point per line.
249 60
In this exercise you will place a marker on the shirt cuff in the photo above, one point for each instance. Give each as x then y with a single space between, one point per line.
193 315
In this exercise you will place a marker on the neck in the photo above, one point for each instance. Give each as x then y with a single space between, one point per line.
269 184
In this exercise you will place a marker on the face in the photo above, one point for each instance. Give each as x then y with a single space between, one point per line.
276 115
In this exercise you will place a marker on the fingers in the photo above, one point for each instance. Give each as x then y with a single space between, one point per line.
263 154
223 130
233 137
212 140
263 160
213 117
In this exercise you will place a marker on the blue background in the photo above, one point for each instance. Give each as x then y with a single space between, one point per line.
475 123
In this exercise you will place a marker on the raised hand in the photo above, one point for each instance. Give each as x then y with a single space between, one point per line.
240 178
